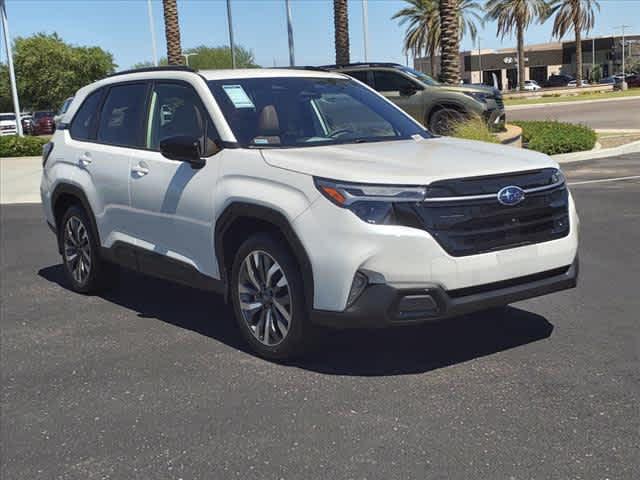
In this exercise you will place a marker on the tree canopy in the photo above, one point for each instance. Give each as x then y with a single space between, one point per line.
48 70
212 58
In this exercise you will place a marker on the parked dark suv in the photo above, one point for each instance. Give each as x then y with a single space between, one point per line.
43 123
558 81
433 104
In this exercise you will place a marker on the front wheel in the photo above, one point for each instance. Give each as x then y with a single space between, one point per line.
444 120
268 299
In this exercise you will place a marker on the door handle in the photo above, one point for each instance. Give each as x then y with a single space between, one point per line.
141 169
85 159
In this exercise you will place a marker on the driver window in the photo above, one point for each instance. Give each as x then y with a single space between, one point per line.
176 109
386 81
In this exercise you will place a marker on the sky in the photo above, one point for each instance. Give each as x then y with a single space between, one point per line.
122 28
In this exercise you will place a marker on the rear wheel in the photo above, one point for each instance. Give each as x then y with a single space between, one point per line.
444 119
84 268
267 293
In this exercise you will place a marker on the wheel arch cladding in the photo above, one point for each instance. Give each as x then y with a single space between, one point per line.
65 195
239 220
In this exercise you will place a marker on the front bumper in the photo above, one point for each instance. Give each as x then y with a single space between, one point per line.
382 305
495 119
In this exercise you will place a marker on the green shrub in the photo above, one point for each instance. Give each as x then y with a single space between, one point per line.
552 137
15 146
474 129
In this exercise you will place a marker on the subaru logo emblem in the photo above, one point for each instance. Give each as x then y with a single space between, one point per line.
510 195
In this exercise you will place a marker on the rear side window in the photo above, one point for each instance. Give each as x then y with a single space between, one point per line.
359 75
85 118
386 81
123 115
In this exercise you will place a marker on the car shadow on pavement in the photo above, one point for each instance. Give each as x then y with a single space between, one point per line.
393 351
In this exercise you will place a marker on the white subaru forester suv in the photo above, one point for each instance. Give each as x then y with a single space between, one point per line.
304 197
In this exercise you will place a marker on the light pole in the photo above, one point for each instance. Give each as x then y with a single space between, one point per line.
186 57
292 58
12 75
365 29
231 45
480 61
154 49
623 85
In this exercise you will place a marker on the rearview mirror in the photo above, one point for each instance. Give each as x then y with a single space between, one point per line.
183 148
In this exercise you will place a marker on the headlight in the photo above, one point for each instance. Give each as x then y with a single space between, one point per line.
479 96
557 177
372 203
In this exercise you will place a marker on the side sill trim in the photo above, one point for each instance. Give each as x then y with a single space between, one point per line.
160 266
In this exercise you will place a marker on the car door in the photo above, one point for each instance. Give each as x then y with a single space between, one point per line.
102 142
172 201
401 90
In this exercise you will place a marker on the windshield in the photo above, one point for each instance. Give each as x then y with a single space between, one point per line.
7 116
423 77
296 111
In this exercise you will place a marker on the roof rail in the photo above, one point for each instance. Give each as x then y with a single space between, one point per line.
361 64
163 68
303 67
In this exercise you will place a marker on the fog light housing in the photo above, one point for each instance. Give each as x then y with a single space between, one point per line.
360 282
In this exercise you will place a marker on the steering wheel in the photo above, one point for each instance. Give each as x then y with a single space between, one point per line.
339 132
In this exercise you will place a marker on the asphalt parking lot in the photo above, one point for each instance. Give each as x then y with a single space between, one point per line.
151 380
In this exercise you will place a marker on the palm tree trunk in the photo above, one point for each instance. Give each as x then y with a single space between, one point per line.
341 25
520 29
449 42
172 32
578 55
432 59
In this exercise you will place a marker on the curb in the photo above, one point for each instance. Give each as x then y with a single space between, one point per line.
633 147
571 102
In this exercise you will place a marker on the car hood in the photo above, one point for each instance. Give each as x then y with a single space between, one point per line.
410 162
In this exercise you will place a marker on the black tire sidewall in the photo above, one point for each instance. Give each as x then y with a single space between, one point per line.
94 280
443 111
299 333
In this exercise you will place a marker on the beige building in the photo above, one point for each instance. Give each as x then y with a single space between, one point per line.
541 61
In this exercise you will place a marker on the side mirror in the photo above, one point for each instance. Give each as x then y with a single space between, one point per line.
408 91
183 148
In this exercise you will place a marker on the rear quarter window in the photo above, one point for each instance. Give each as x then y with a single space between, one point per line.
85 118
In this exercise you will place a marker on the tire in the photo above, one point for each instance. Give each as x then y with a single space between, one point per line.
86 272
270 294
443 119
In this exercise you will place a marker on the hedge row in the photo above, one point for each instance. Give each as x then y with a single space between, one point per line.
552 137
15 146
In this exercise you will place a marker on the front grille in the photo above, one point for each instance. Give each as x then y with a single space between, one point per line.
468 226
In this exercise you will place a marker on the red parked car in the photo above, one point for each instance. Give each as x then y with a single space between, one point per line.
43 123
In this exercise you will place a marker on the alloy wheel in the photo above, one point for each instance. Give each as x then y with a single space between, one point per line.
77 249
265 298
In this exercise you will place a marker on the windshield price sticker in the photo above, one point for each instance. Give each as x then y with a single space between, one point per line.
238 96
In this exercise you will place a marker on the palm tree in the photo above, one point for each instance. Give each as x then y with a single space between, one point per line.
172 32
449 41
516 15
423 31
341 25
578 15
